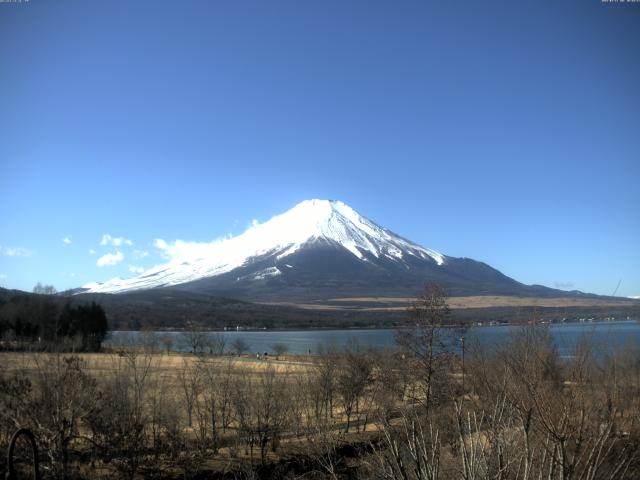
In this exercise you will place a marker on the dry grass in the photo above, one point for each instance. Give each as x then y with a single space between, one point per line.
372 304
166 365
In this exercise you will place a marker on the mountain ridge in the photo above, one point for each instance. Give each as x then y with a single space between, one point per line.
317 250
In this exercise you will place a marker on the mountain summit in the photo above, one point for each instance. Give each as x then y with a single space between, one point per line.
317 249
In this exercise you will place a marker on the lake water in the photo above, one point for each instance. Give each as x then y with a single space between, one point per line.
607 335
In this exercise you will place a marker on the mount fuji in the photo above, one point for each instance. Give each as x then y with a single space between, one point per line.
319 249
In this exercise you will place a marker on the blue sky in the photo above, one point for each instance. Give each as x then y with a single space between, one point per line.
503 131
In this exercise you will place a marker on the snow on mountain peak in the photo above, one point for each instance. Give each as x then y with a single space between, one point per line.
309 221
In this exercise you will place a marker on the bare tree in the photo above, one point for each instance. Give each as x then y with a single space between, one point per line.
189 379
327 368
239 346
353 379
224 389
279 349
53 404
323 444
537 417
195 338
119 426
426 342
216 343
149 340
262 410
213 405
409 451
167 342
44 289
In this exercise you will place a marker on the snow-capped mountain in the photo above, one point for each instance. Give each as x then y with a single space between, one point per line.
318 249
305 224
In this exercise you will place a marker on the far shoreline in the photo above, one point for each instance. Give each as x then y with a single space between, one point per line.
398 327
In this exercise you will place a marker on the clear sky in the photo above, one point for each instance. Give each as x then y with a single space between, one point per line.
504 131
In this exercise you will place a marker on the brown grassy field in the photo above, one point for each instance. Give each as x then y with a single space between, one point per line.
171 364
372 304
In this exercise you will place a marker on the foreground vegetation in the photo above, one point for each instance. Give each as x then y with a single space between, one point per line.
517 411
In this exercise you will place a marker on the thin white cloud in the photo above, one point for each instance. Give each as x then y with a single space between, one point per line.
160 243
134 269
110 259
137 254
163 246
15 251
635 297
183 251
66 241
92 251
115 241
254 223
3 276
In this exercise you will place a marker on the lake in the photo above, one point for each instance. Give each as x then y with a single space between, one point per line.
606 335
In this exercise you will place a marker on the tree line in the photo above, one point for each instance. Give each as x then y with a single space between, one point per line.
43 320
